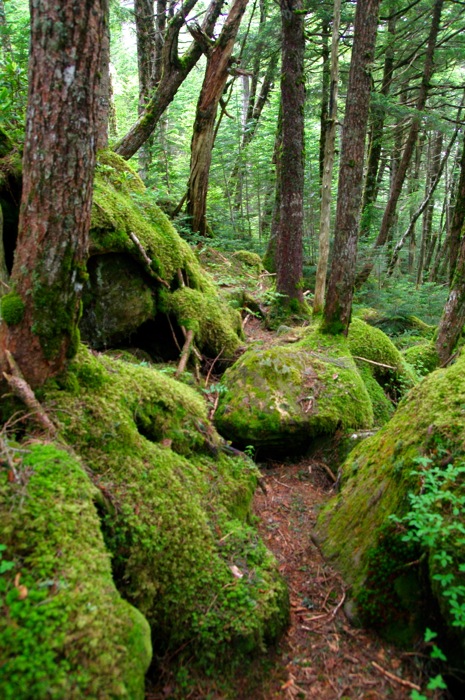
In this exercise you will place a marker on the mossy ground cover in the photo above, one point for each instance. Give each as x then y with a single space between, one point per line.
65 631
174 507
356 530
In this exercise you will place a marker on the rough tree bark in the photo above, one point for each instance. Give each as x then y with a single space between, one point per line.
173 71
453 317
289 253
216 74
328 162
377 129
41 312
391 207
458 218
338 305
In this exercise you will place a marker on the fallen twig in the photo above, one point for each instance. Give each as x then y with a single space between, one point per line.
372 362
147 260
186 351
396 679
23 391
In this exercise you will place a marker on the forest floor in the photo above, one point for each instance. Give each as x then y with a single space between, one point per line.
321 656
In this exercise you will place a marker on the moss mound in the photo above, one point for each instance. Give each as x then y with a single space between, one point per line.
377 355
135 248
392 579
65 632
423 357
287 394
175 509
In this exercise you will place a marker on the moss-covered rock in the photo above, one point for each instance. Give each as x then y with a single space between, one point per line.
137 261
175 508
118 299
376 353
216 326
65 631
423 357
252 260
395 324
393 579
285 395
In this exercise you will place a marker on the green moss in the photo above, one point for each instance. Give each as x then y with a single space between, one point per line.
383 407
12 308
377 476
176 510
422 357
285 394
215 325
68 633
250 259
383 359
121 206
391 597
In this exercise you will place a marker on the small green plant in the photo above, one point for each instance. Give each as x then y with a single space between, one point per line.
434 523
4 564
249 450
436 682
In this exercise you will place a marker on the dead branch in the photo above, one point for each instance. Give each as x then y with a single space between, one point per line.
186 351
372 362
396 679
23 391
147 260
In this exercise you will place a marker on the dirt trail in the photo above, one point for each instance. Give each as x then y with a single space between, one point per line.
322 656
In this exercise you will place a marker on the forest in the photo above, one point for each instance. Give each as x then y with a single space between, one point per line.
232 377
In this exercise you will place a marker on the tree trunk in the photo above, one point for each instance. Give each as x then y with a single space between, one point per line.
216 75
174 70
338 305
269 259
41 313
289 250
104 89
391 207
4 33
374 155
146 58
453 317
325 90
328 162
458 218
432 183
435 168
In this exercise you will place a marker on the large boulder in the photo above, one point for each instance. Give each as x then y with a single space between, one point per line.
65 631
309 384
174 507
282 396
407 572
137 263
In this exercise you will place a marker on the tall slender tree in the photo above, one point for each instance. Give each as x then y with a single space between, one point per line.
289 252
338 305
401 172
216 74
328 162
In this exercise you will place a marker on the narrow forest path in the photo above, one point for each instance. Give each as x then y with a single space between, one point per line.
321 656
